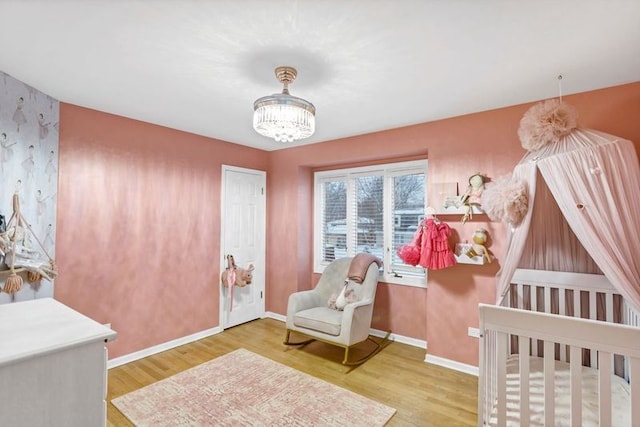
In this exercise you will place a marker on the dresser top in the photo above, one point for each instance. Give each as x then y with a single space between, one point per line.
44 325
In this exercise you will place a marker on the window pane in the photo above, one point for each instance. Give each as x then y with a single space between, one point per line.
369 214
334 220
408 209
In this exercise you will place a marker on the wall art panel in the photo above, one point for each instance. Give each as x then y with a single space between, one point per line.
29 122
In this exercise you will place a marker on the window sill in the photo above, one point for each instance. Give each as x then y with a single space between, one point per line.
404 280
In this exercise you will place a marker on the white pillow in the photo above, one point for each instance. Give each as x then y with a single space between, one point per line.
341 300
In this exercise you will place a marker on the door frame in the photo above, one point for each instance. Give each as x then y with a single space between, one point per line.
223 261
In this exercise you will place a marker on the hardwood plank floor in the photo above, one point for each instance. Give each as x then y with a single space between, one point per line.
423 394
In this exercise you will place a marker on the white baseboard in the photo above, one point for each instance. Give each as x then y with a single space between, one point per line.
275 316
400 338
112 363
452 364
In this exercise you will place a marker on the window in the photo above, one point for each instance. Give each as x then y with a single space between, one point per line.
373 209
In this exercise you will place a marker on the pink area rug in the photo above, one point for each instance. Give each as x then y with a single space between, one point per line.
242 388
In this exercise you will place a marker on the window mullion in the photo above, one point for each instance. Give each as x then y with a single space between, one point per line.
351 217
387 222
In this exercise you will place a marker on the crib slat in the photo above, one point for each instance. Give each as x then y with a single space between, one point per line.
577 306
534 307
491 376
609 305
523 350
562 310
519 295
604 387
547 299
533 294
549 384
502 345
575 388
634 374
593 314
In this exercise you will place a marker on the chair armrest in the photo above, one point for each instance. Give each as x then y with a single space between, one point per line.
303 300
358 304
357 320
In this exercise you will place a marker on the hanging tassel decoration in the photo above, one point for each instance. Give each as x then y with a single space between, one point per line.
14 282
33 277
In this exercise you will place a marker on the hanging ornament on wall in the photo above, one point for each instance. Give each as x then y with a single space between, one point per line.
19 257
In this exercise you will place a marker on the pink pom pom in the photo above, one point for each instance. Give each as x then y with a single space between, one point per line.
409 254
546 123
506 200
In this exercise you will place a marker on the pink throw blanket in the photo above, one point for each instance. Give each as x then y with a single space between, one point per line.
359 266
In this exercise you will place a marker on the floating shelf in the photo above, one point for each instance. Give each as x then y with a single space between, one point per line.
459 210
462 258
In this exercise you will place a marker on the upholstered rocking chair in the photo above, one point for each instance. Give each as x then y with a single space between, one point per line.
308 312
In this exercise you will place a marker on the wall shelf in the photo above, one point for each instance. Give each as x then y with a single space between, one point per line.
462 258
459 210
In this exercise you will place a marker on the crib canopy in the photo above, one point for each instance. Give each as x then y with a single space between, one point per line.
583 203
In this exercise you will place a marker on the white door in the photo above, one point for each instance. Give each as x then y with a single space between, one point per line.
243 236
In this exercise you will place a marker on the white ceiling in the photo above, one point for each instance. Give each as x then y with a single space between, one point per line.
367 65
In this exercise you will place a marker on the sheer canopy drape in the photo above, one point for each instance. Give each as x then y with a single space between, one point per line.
592 222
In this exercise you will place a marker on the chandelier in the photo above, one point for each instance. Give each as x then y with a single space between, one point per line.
281 116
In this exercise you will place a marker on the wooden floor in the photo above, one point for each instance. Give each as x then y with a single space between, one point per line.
423 394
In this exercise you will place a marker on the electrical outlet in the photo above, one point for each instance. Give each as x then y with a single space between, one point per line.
474 332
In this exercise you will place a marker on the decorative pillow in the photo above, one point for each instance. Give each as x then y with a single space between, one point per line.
340 300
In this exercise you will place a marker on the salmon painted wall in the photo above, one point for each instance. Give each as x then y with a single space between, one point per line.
139 225
135 199
456 148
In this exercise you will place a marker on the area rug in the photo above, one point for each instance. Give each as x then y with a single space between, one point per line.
242 388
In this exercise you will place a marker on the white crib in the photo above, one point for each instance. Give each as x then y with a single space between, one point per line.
582 347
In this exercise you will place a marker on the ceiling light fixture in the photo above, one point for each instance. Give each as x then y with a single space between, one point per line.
281 116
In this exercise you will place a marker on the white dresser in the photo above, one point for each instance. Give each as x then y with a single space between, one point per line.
53 366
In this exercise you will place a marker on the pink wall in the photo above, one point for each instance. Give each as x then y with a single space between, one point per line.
139 225
485 142
138 218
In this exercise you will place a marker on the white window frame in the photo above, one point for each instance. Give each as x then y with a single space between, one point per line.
407 275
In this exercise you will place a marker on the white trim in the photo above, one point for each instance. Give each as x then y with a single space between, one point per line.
452 364
414 342
275 316
262 258
131 357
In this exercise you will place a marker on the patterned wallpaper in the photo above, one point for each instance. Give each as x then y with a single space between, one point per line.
29 165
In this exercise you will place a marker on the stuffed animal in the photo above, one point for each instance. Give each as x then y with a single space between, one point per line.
339 301
474 192
243 276
473 195
478 247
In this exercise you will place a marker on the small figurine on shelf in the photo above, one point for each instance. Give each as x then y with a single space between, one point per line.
478 247
472 196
